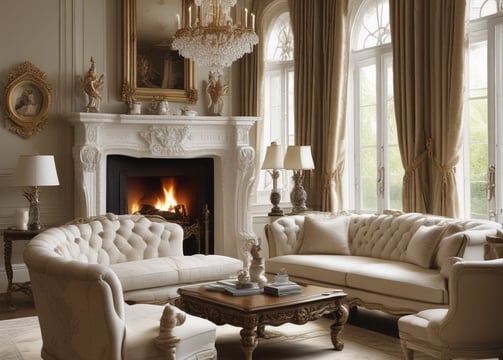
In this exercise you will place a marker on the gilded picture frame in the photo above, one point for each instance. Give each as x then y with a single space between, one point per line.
27 100
151 69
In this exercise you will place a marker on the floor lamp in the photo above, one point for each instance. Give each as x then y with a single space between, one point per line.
33 171
298 159
272 162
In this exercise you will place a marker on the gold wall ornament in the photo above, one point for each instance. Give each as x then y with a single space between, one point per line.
150 66
27 100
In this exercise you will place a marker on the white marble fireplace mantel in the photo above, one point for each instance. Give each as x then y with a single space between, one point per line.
223 138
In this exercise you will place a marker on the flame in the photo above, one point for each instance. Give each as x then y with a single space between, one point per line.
135 208
165 198
169 202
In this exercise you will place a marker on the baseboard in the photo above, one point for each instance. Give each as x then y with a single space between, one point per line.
20 275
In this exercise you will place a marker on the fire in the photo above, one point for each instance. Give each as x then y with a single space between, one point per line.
163 200
169 202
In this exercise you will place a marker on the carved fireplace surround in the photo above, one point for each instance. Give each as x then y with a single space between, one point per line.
223 138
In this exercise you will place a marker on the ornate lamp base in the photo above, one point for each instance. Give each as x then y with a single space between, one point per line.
275 199
298 196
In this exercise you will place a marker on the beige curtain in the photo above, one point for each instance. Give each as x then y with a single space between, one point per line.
428 47
321 30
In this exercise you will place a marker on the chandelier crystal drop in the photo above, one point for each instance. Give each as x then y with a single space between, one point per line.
212 38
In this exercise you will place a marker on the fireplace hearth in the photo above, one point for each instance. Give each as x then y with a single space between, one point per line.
225 140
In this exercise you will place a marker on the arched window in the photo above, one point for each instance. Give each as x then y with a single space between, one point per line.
374 178
278 97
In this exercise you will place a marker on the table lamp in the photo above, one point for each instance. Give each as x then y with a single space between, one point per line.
33 171
298 159
272 162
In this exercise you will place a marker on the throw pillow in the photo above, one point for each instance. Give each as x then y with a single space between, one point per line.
448 264
452 244
423 244
325 236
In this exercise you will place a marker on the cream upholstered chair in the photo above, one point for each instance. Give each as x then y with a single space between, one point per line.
82 315
472 326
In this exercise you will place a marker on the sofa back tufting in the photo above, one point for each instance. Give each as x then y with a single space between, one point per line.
112 239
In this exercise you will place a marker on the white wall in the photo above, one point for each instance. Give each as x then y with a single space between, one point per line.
59 37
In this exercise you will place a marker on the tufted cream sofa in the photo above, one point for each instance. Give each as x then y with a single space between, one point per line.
146 254
398 263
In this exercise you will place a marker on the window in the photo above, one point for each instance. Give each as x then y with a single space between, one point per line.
278 98
375 176
483 112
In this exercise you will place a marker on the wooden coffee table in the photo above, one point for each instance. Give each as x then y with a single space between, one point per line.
253 312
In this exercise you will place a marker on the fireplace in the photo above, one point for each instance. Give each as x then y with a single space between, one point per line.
180 190
225 140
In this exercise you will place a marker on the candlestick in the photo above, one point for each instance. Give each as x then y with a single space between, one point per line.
190 16
246 17
253 21
178 24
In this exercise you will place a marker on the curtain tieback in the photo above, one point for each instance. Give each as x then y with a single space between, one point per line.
415 164
329 177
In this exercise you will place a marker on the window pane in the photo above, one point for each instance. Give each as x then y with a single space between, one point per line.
368 137
368 178
478 130
481 8
373 25
280 40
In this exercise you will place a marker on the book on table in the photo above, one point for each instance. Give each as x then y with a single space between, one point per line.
233 287
283 288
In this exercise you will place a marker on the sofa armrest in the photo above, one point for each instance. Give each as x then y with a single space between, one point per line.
476 240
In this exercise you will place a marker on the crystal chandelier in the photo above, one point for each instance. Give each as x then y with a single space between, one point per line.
211 37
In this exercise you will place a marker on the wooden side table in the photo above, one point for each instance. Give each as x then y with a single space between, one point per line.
10 235
493 249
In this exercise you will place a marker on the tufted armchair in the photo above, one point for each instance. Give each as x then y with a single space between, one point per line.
79 296
472 326
82 315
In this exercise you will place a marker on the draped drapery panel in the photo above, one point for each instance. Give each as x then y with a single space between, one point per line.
321 53
428 54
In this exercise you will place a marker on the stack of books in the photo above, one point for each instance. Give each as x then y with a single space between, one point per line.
282 288
233 287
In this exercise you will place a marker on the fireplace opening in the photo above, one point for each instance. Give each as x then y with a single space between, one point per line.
180 190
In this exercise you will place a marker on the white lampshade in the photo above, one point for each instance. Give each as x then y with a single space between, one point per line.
273 157
36 170
298 158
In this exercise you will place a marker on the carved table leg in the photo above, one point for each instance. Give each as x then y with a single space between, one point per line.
341 316
8 270
248 342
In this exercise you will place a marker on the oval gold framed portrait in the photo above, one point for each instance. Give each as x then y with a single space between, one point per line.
27 100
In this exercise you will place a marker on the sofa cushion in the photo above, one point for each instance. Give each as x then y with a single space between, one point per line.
325 235
197 268
164 271
423 244
318 268
148 273
400 279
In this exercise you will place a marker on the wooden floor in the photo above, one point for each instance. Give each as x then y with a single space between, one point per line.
372 320
23 306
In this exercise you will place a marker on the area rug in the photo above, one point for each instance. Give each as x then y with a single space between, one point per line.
20 340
